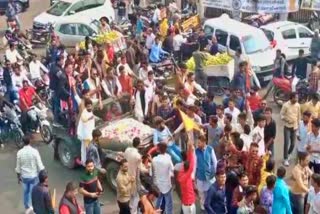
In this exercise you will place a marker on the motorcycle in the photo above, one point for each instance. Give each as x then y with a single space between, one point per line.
41 34
257 20
38 116
164 70
283 88
314 21
10 127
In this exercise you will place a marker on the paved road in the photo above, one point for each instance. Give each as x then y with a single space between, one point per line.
10 191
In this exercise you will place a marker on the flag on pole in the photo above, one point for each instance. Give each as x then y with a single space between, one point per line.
189 123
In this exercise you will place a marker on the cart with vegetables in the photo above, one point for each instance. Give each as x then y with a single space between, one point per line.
115 38
118 129
219 70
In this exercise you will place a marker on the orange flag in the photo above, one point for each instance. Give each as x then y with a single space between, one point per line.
188 122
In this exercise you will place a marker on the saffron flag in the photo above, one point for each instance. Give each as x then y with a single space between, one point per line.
53 198
189 123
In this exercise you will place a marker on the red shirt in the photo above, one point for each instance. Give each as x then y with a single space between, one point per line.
254 102
27 96
126 84
186 183
64 209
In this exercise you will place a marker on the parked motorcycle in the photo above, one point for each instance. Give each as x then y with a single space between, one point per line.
38 115
314 21
165 69
41 34
257 20
283 88
10 127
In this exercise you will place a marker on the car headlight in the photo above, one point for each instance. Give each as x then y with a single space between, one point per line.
256 69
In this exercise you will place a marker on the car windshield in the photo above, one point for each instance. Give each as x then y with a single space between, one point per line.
257 43
59 8
269 34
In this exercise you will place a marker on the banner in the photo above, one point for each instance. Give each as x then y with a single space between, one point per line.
310 4
262 6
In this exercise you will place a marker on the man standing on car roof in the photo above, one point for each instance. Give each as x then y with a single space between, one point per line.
12 13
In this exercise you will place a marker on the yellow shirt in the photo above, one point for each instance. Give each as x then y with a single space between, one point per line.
314 109
164 26
123 186
304 107
290 114
263 173
300 179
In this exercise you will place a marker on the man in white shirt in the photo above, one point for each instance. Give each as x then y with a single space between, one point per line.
234 111
156 18
127 68
258 134
28 166
313 201
85 127
144 70
162 168
142 99
35 68
149 39
18 77
177 42
132 155
12 54
150 82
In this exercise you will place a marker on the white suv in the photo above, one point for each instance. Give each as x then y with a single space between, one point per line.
289 37
65 9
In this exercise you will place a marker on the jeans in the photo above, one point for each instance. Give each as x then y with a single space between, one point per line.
175 153
314 166
167 197
289 141
124 207
297 203
27 185
92 208
55 107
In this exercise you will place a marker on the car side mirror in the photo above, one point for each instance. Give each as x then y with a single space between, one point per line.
72 12
94 34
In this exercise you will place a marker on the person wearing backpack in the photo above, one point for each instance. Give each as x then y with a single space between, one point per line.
12 13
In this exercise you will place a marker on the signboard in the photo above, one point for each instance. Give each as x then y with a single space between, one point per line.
192 22
310 4
260 6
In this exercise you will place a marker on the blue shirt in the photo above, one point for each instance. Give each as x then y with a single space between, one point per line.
156 52
281 201
216 202
159 136
303 134
239 81
139 27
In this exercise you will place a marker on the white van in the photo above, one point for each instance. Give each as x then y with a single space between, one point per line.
255 46
64 9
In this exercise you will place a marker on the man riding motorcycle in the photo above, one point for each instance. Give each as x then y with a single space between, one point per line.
156 53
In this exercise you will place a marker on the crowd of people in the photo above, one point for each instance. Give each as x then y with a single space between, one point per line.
226 159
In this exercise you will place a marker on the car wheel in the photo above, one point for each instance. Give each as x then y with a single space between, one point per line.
46 133
112 169
19 7
65 155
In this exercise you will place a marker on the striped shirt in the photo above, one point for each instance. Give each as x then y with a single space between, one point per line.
29 162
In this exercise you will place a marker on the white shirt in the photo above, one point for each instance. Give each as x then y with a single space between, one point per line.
35 69
162 172
133 157
247 140
177 42
221 121
235 113
151 85
257 135
85 126
314 201
127 69
143 74
18 80
194 85
29 162
150 40
156 16
13 56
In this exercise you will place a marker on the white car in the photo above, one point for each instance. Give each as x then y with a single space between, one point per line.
289 37
65 9
74 30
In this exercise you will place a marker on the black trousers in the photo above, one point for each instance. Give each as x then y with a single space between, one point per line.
124 207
